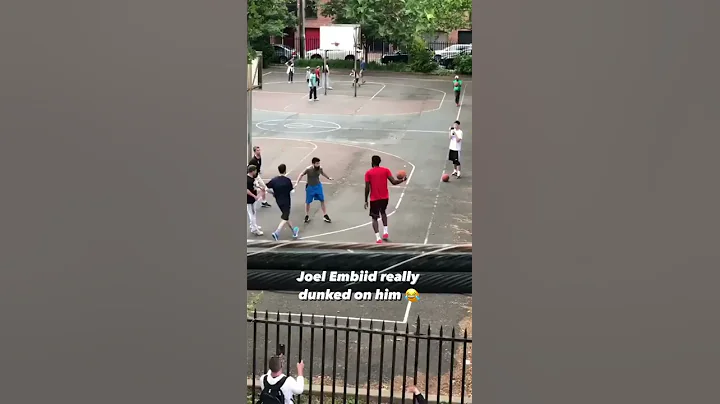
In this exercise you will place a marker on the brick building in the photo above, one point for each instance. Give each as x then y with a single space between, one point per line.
314 20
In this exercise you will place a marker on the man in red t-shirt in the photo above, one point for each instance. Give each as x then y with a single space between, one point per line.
376 188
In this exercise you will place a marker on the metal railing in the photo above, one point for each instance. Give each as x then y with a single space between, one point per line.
362 373
373 52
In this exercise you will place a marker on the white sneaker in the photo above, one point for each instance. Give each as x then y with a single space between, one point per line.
258 233
329 88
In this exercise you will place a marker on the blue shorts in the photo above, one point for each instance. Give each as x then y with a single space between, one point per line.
314 193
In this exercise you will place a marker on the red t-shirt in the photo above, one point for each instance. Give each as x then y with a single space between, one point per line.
378 179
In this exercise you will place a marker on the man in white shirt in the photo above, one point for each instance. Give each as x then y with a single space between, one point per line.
278 388
456 136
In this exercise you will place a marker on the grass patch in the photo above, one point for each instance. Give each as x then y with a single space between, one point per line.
253 299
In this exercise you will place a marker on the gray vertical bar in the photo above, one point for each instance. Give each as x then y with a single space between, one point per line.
121 245
596 222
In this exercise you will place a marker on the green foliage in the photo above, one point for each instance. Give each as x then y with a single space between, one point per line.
442 15
463 64
421 59
266 18
399 21
264 46
347 65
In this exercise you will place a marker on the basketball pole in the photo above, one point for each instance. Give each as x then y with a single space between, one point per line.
325 82
357 76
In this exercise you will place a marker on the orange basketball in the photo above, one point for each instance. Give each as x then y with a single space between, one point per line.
401 174
445 178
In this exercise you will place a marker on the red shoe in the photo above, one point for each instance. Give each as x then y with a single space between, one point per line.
378 242
386 236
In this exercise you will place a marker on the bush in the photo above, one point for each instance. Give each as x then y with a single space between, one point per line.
421 58
267 50
349 64
463 65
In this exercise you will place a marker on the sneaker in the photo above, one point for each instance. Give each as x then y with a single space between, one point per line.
385 236
457 176
327 219
329 88
454 173
258 233
296 232
379 242
307 219
265 205
276 236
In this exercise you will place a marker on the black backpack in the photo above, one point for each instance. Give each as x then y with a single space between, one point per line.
272 393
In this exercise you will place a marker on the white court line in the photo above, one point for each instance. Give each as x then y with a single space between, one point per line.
364 129
407 183
407 313
461 105
411 259
371 82
265 74
309 316
378 92
432 215
381 76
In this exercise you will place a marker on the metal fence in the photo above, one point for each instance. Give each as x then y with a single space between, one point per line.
372 361
372 52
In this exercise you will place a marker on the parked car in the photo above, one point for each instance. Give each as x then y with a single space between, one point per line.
284 53
449 62
332 54
451 51
398 57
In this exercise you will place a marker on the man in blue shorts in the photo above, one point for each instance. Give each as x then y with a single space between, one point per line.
282 186
314 189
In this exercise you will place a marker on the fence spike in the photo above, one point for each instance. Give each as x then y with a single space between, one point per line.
254 314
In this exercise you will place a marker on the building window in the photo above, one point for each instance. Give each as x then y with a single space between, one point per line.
311 9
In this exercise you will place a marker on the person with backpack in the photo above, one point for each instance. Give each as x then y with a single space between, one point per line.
278 388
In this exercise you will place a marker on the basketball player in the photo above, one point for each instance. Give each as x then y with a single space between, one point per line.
256 161
314 188
457 88
376 188
282 186
456 136
251 199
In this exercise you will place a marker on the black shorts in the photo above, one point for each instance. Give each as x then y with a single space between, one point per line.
284 212
454 156
378 207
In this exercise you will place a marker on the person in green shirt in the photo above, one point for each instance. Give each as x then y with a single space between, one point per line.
312 84
457 86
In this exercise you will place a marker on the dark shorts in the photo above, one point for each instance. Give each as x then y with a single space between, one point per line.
454 156
378 207
284 212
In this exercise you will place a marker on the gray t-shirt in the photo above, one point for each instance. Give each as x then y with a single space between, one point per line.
313 175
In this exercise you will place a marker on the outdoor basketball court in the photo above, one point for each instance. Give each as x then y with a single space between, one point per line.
404 120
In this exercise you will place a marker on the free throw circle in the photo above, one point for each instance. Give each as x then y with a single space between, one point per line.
298 126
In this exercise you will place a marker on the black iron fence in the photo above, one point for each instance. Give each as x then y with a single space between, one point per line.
372 52
362 361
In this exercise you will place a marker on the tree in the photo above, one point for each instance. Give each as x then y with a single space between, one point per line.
442 15
399 21
267 18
